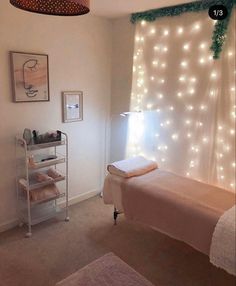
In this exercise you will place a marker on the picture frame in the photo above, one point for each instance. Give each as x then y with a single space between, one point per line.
29 76
72 106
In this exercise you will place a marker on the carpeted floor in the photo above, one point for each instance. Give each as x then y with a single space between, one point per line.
57 249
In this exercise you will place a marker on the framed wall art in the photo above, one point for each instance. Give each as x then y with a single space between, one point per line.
72 106
30 77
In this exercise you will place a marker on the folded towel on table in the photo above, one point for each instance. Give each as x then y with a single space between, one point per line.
131 167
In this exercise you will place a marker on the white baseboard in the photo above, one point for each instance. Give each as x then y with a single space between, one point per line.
8 225
72 201
82 197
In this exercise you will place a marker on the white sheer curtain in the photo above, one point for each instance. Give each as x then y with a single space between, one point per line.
187 98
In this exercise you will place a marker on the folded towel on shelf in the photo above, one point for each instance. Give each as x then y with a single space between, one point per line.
53 173
44 193
131 167
42 177
23 183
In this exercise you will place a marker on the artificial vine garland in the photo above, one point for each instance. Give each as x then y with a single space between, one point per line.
220 29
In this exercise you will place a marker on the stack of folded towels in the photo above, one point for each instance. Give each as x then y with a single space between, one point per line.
45 192
50 175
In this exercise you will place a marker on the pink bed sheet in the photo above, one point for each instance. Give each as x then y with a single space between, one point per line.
180 207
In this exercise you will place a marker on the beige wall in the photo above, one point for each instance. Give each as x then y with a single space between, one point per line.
79 50
122 65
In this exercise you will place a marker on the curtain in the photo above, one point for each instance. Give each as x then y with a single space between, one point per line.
187 99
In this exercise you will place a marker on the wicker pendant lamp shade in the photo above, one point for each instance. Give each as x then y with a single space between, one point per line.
54 7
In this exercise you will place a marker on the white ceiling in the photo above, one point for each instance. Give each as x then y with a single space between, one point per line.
119 8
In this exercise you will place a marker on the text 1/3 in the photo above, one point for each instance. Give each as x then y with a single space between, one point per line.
218 12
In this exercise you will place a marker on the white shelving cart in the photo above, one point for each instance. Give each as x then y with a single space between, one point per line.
36 160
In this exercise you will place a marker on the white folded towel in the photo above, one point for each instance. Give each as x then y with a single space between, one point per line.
131 167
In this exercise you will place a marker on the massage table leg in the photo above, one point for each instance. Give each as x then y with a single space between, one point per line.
115 215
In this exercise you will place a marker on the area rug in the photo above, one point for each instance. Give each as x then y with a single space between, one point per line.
108 270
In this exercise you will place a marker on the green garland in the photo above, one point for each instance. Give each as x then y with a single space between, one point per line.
219 33
220 29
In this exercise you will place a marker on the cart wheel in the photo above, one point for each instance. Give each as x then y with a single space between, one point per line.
67 219
28 234
20 224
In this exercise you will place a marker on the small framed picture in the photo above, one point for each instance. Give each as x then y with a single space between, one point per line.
72 106
30 77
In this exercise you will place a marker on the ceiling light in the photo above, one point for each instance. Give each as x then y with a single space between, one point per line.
54 7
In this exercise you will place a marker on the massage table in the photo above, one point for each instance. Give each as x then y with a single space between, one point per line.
182 208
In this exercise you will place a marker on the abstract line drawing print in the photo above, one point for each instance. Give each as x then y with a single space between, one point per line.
29 66
30 80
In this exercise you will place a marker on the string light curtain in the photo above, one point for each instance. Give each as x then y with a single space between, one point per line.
187 98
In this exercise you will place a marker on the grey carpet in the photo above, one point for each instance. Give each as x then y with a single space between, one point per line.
58 249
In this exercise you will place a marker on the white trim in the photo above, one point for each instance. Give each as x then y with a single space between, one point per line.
72 201
8 225
82 197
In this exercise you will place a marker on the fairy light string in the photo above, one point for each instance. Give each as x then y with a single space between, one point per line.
175 126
